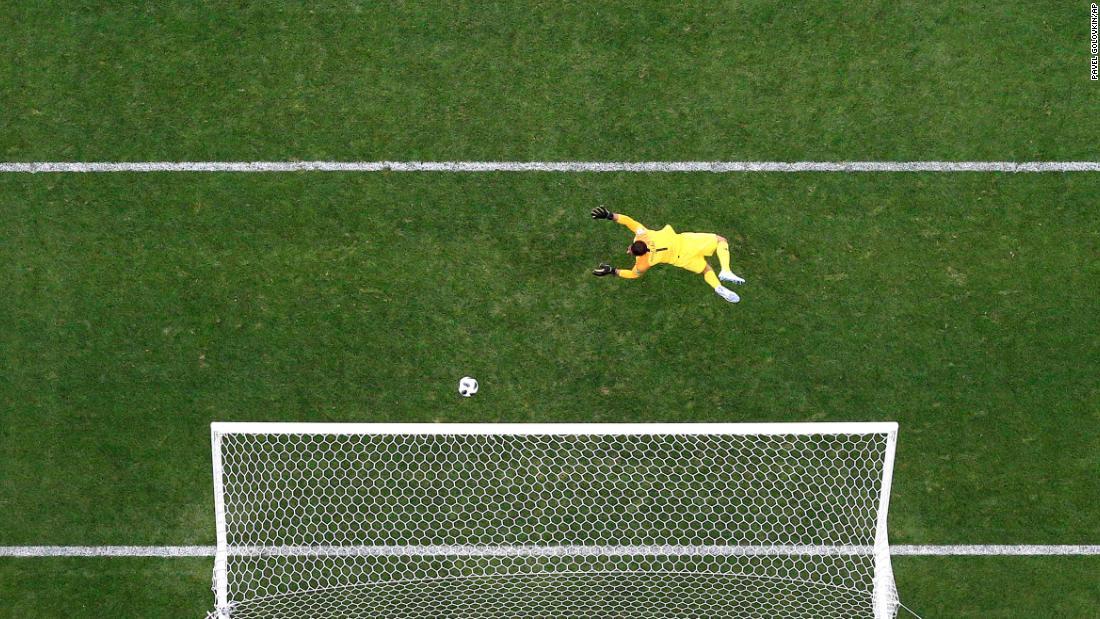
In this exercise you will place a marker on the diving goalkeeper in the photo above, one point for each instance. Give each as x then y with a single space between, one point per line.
687 250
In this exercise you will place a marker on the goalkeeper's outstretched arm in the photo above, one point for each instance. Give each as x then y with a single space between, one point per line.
602 213
632 224
638 249
641 265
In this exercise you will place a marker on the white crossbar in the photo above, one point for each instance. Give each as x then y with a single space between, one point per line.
513 429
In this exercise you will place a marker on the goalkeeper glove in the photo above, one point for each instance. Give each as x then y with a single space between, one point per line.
603 269
601 213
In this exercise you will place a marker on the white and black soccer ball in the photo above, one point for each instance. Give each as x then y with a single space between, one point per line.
467 386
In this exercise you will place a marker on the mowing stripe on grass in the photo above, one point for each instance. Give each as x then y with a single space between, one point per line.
208 551
551 166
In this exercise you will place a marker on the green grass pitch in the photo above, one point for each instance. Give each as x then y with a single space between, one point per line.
136 309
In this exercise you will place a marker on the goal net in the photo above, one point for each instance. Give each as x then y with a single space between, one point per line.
552 521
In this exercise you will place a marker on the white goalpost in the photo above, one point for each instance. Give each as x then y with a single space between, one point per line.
548 521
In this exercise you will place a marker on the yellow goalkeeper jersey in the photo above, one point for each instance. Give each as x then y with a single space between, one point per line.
663 244
666 246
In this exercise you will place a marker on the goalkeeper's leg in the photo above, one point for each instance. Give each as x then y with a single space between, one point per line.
723 251
722 291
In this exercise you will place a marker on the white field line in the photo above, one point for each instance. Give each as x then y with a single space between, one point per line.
551 166
208 551
107 551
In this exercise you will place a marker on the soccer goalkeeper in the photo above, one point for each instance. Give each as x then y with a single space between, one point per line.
687 250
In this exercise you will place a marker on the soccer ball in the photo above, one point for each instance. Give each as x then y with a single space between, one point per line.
467 386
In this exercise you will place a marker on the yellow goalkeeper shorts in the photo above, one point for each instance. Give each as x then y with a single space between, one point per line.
694 247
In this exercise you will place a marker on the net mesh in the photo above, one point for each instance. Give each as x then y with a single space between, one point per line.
424 526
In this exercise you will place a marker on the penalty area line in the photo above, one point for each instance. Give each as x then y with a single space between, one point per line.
208 551
719 167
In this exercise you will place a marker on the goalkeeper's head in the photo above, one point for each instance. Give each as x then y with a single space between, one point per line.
638 248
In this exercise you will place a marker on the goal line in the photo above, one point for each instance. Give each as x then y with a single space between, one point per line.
895 550
548 166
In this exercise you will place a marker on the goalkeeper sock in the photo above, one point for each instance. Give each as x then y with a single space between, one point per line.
724 255
712 279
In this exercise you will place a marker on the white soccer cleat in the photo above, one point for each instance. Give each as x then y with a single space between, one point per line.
730 276
727 294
